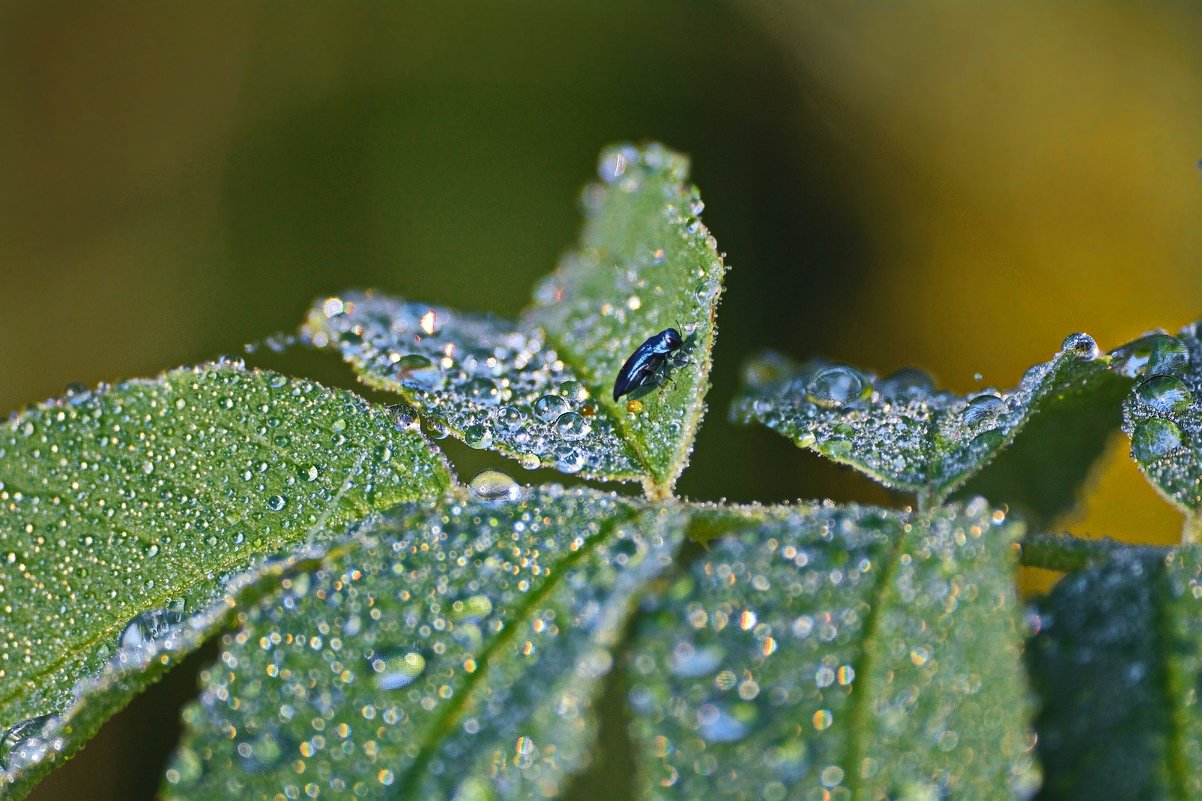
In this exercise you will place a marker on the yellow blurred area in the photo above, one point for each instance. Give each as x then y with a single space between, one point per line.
1033 171
952 186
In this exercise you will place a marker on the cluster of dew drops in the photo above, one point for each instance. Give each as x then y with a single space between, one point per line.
1154 413
507 389
820 398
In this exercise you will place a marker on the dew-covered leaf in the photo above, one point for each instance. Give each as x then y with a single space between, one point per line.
540 389
851 653
452 654
126 510
1163 416
902 432
1117 662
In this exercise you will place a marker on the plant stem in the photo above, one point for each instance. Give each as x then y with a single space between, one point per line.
1066 553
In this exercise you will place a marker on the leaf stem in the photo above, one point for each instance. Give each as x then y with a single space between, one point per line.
1066 553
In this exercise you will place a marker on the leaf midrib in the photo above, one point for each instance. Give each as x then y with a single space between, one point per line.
441 728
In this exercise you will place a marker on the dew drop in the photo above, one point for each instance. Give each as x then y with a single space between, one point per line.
569 459
493 485
436 426
549 407
982 408
1081 346
1153 353
909 383
482 390
832 387
149 627
1154 439
477 435
308 472
1164 393
573 391
395 669
417 372
634 406
572 427
276 503
510 418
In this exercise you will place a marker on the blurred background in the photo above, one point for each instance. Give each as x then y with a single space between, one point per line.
953 187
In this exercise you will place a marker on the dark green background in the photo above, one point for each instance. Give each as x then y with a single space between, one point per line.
953 187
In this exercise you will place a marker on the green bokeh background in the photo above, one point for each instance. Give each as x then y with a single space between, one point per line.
956 187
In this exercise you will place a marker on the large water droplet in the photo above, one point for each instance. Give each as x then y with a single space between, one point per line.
832 387
1164 393
417 372
152 626
493 485
477 435
1081 346
549 407
1154 439
482 390
1153 353
572 426
981 408
23 741
908 383
396 668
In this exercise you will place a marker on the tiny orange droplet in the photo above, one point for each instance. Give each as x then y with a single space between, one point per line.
634 406
588 410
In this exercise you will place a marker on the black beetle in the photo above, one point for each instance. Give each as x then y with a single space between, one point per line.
646 360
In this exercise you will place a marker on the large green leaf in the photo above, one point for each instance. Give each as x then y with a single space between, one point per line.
902 432
1117 661
126 510
1163 417
456 653
539 389
849 653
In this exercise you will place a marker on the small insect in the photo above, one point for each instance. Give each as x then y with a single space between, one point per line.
640 369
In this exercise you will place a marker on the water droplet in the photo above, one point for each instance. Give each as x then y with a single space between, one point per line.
477 435
20 743
572 426
550 407
1164 393
615 161
1153 353
436 426
1154 439
149 627
276 503
493 485
482 390
981 408
909 383
832 387
1081 346
634 406
417 372
510 418
573 391
569 459
261 753
396 668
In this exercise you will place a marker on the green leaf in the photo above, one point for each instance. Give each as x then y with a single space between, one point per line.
1163 417
127 509
1117 662
833 652
903 433
539 389
457 653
